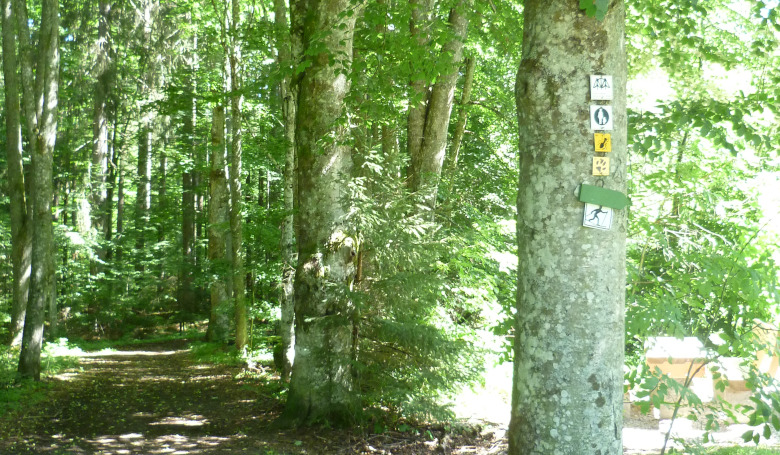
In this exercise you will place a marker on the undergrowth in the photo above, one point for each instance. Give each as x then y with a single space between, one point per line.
56 357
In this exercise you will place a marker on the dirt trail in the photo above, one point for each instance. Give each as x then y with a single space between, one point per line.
153 399
146 400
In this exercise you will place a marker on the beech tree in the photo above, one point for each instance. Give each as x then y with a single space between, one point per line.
40 106
321 383
568 377
21 235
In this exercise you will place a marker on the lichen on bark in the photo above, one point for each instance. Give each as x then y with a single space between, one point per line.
567 394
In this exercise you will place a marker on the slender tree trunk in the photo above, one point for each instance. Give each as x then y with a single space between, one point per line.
418 27
451 162
568 369
426 164
321 384
21 235
148 87
237 201
186 295
143 199
120 209
289 256
100 121
219 232
41 108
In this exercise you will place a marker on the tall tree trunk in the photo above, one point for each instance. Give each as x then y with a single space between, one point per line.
148 87
451 162
568 367
100 121
237 201
289 256
41 112
426 164
219 232
21 235
321 384
186 295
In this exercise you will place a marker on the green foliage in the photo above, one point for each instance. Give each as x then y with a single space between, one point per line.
56 357
595 8
415 341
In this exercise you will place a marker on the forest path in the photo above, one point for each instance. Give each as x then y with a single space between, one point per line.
147 399
155 399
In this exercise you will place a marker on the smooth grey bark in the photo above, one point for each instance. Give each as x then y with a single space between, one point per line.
41 114
289 256
21 235
426 163
236 200
219 231
321 384
568 368
451 161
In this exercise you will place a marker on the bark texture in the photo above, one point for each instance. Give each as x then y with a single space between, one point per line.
289 255
321 384
99 164
41 112
451 163
236 199
426 163
219 231
21 235
567 396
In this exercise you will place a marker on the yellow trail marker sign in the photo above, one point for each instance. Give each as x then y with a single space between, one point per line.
600 166
602 142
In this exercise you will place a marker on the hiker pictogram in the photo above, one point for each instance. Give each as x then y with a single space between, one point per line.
601 118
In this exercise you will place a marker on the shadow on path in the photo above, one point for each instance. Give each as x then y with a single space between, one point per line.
147 400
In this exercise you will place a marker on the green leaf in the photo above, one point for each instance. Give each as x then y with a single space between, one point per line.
747 436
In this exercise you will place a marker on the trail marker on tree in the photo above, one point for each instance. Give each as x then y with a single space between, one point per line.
600 87
601 118
597 217
602 142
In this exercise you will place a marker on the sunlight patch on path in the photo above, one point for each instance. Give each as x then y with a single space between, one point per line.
192 420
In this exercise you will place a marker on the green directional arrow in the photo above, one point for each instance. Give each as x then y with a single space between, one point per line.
603 196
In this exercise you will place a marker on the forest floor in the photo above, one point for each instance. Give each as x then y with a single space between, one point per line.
156 399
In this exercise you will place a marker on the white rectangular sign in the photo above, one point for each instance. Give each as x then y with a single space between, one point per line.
601 118
600 87
597 217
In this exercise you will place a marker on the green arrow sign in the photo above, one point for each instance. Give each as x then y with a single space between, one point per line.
602 196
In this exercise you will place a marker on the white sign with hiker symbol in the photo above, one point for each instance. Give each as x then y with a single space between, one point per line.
601 118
